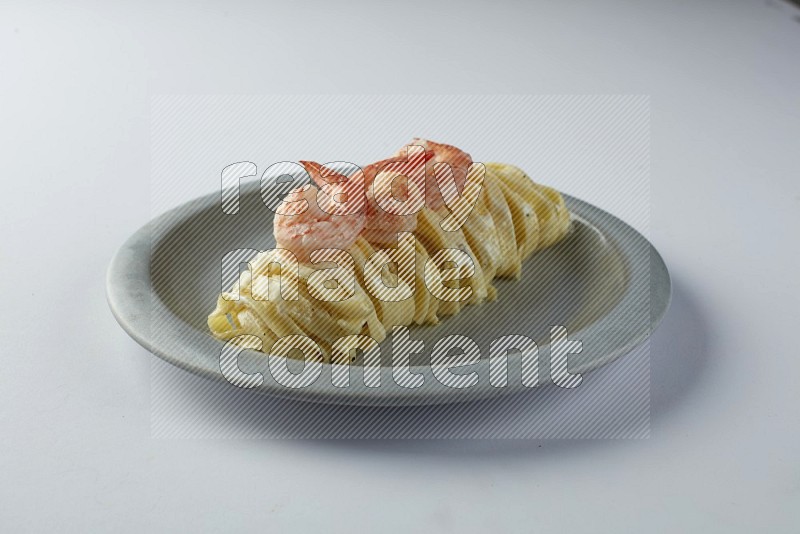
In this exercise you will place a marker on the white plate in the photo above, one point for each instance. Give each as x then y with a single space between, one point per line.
604 282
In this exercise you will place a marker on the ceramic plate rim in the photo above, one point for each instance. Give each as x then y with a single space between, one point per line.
130 293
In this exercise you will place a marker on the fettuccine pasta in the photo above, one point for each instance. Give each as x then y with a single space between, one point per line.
512 218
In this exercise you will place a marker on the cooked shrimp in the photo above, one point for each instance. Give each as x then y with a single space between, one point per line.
341 195
381 226
303 227
458 160
384 223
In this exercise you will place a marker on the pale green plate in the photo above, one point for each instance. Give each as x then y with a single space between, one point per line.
604 282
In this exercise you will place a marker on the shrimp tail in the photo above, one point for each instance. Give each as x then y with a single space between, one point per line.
321 175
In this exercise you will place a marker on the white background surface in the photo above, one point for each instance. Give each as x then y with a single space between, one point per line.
76 452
